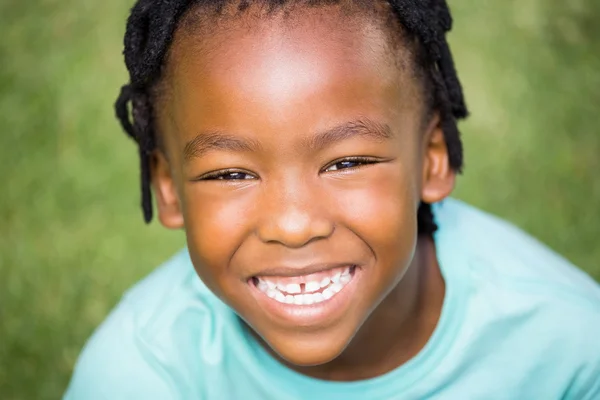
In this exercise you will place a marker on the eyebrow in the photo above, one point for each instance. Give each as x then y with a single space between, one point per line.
218 140
363 127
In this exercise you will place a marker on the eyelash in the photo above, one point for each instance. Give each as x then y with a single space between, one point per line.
223 174
361 161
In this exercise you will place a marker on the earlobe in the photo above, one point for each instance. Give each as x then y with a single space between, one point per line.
165 191
438 176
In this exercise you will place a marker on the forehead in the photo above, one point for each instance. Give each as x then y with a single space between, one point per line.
219 40
287 63
333 19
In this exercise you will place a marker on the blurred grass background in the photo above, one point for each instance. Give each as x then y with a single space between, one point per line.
71 233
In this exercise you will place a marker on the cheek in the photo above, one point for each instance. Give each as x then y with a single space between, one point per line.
383 212
215 226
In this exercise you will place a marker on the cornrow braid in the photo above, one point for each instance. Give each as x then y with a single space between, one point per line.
152 24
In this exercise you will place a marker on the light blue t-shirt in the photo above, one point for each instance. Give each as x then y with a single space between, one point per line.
518 322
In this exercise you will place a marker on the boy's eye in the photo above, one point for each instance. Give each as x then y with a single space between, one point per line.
347 163
234 175
226 176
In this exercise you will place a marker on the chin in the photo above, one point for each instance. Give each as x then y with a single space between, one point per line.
308 350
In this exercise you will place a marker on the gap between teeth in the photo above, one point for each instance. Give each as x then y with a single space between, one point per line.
293 294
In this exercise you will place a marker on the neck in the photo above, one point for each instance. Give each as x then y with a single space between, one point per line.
397 330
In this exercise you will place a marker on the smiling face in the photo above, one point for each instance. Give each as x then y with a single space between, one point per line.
297 159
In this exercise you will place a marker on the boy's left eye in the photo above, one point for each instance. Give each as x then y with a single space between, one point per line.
226 175
348 163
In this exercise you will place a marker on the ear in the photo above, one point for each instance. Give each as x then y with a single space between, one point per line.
165 191
438 177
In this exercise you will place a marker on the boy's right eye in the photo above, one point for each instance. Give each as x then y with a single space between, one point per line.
226 175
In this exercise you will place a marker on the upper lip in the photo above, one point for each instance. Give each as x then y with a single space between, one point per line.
299 271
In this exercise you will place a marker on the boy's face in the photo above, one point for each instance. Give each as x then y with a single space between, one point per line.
297 158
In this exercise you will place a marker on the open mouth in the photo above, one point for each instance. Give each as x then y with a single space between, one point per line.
307 289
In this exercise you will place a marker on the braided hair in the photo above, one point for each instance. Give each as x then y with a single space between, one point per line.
151 27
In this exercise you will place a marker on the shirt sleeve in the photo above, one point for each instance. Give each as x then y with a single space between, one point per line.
586 385
586 382
113 365
594 391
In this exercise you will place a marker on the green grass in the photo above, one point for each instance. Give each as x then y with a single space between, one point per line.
71 236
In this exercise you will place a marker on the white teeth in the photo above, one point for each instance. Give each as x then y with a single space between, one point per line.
270 285
303 299
310 295
312 287
336 287
308 299
262 286
280 297
336 277
328 293
293 288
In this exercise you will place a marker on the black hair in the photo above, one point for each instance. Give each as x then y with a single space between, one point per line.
151 27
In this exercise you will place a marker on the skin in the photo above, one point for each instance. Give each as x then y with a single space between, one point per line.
273 84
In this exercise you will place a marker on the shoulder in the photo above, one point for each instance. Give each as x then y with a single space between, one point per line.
127 355
500 251
112 365
526 299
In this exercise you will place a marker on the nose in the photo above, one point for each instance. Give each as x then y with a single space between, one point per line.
293 216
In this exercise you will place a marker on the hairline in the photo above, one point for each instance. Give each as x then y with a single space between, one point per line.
200 18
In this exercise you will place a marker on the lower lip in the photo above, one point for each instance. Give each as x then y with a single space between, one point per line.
309 315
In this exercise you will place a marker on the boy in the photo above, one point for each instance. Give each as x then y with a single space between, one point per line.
308 150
